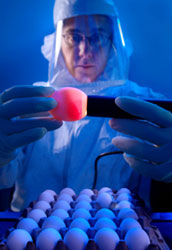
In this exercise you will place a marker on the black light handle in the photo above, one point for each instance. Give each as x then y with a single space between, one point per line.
102 106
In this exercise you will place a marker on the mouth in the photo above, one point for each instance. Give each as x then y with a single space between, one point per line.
85 66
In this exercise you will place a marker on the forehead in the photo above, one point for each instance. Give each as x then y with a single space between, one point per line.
88 23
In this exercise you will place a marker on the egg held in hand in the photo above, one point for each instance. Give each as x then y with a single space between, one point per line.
71 104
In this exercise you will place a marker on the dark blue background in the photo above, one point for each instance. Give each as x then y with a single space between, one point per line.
148 24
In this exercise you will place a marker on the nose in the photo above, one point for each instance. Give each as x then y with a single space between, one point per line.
85 49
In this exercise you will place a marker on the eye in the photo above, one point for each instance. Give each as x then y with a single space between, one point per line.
95 38
77 38
73 39
99 39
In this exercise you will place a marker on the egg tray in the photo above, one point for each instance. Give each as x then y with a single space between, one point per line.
156 240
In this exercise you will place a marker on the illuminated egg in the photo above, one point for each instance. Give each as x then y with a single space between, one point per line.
72 104
68 190
137 238
62 204
123 196
36 214
47 239
83 197
129 223
104 212
65 197
105 189
81 213
27 224
43 205
18 239
86 191
123 190
53 222
105 222
46 196
124 204
106 239
61 213
83 204
127 213
80 223
76 239
104 199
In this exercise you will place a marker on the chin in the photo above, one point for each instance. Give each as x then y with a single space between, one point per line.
85 78
86 75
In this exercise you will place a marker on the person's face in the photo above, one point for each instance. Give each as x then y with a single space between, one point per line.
86 44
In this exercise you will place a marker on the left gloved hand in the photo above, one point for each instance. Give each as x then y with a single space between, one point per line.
149 151
15 131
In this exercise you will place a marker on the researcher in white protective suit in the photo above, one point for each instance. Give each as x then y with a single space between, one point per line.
86 51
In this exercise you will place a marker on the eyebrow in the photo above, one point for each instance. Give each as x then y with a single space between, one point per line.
79 31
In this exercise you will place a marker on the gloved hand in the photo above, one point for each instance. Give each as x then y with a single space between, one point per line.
149 150
16 131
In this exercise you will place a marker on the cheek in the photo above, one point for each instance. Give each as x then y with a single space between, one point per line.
69 58
102 58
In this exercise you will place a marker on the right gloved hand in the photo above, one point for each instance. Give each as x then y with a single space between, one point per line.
15 131
148 149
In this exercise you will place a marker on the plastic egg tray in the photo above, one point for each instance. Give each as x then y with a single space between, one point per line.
102 219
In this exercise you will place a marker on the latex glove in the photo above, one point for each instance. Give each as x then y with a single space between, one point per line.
152 155
16 131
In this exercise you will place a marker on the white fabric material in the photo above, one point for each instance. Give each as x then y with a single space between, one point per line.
65 157
68 8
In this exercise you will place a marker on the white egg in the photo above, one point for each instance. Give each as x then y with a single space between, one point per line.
83 197
81 213
50 191
127 213
47 239
18 239
80 223
65 197
43 205
104 212
87 191
68 190
105 190
124 204
76 239
123 196
105 223
53 222
104 199
36 214
46 196
137 238
61 204
27 224
106 239
83 204
123 190
61 213
129 223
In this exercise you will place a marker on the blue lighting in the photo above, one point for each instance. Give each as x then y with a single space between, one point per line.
121 34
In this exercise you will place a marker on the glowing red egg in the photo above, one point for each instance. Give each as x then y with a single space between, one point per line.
72 104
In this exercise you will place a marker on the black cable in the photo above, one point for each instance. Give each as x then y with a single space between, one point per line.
96 164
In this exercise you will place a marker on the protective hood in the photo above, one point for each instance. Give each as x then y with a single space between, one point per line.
69 8
116 70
